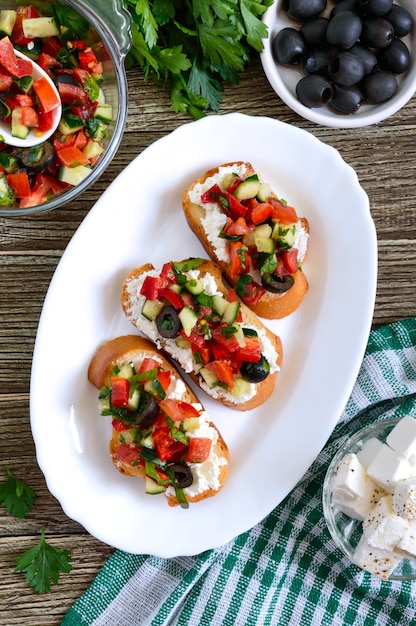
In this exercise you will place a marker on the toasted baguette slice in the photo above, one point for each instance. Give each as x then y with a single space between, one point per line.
207 220
244 394
124 449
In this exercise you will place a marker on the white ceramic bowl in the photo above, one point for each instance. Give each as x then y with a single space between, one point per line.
284 79
345 531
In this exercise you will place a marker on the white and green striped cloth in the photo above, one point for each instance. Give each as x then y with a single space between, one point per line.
286 571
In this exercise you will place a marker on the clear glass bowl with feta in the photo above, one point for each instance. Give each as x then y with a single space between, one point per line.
369 498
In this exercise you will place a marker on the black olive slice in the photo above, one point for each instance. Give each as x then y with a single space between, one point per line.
277 284
38 158
167 322
68 79
255 372
148 414
183 475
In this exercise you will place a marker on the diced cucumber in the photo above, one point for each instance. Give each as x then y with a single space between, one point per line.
128 436
209 377
264 244
182 342
219 304
147 442
40 27
264 192
74 175
188 319
134 399
249 188
7 196
7 21
25 83
70 123
126 371
286 237
8 162
104 112
241 387
18 129
194 286
152 488
228 180
263 230
190 423
92 149
151 309
230 314
239 336
96 128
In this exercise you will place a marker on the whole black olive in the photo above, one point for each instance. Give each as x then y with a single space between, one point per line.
368 59
167 322
345 5
148 413
313 32
317 62
183 475
379 86
303 9
255 372
277 284
343 30
346 68
377 32
314 90
38 158
289 47
346 99
395 57
376 7
400 19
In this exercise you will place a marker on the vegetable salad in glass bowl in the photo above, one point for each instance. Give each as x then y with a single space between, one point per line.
46 162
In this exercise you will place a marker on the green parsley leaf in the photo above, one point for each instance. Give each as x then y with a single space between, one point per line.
43 564
16 495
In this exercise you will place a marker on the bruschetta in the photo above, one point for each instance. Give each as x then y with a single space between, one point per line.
185 309
256 238
160 431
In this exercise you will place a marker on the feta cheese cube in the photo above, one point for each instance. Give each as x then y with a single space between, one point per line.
407 544
404 499
375 560
369 451
359 507
389 467
403 437
349 478
382 527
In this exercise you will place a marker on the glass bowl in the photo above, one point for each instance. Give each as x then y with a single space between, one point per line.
346 531
284 79
109 35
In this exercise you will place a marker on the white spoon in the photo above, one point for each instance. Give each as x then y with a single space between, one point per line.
34 137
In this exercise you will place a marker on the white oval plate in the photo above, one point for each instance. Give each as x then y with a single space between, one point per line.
139 219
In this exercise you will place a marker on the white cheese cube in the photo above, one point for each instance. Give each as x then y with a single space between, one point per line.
404 499
389 467
382 527
374 560
349 478
403 437
369 451
407 544
358 508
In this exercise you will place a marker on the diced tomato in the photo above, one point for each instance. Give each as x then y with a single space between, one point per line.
290 260
222 371
261 213
166 447
70 156
173 297
38 194
150 288
148 364
128 454
63 141
51 46
87 59
46 95
77 44
80 140
164 377
188 409
218 350
199 449
211 195
71 94
284 213
203 351
120 389
238 258
167 274
237 228
119 426
234 184
251 291
29 117
84 111
15 66
6 80
45 120
231 205
46 61
17 32
19 182
251 351
224 338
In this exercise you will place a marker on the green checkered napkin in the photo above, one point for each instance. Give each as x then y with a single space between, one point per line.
285 571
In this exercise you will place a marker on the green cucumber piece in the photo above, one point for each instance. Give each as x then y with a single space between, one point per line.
263 230
264 244
7 21
70 123
151 309
286 237
74 175
249 188
188 319
264 192
92 149
241 387
104 112
7 197
194 286
209 377
219 304
19 130
230 314
40 27
152 488
183 343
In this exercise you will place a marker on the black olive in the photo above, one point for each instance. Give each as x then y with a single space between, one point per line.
377 33
346 99
400 19
38 158
68 79
346 68
289 47
303 9
167 322
379 86
317 62
313 32
183 475
368 59
345 5
255 372
395 57
344 30
277 284
376 7
148 414
314 90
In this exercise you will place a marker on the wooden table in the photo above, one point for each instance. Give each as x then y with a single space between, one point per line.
384 157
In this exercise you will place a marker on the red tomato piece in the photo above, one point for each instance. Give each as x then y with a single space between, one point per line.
46 95
211 195
150 288
29 117
19 182
199 449
237 228
71 156
226 339
148 364
17 32
167 274
284 213
166 447
51 46
238 258
84 111
252 292
261 213
218 350
71 94
15 66
45 120
188 409
129 454
173 297
172 408
251 351
204 352
222 370
119 426
120 389
46 61
290 260
164 377
6 81
80 140
39 192
231 205
87 59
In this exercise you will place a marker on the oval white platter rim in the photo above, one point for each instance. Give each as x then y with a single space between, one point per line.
284 79
139 219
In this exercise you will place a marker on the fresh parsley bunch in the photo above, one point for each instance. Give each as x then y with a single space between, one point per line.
193 47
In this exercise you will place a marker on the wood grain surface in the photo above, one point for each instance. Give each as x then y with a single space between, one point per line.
384 157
